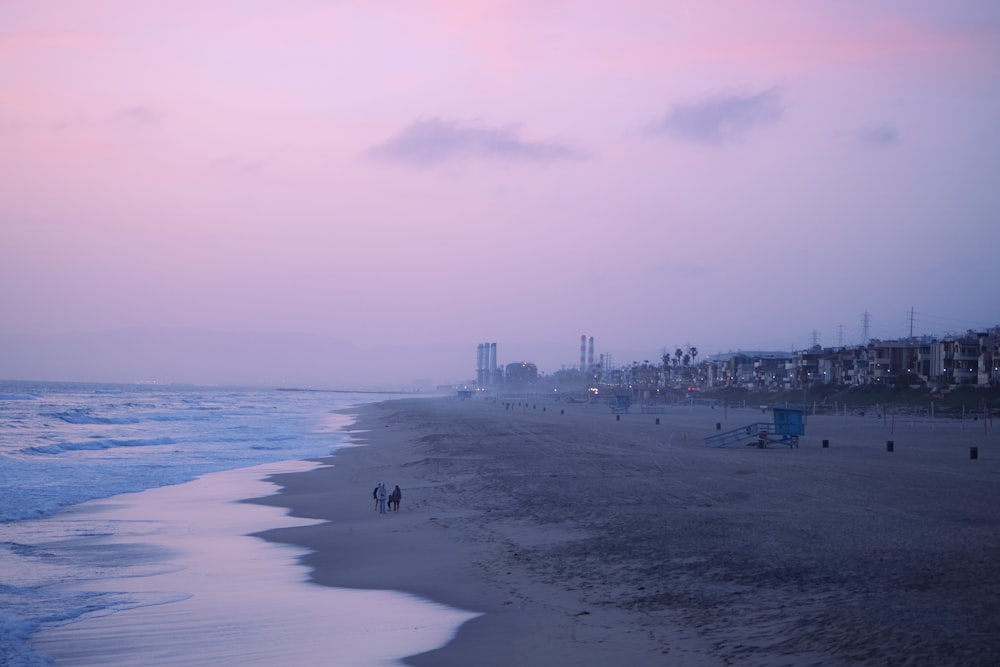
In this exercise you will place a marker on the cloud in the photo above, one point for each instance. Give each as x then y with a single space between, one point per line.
236 167
879 136
721 118
139 115
436 140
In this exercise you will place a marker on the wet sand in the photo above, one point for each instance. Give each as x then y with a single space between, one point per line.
583 539
212 595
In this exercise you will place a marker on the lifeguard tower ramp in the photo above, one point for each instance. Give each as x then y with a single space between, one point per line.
785 427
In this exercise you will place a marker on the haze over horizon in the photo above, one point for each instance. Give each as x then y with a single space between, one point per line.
399 182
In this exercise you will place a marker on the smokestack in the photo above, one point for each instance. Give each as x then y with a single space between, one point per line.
486 364
493 362
479 364
583 353
590 353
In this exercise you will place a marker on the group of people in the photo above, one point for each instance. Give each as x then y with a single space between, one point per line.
381 495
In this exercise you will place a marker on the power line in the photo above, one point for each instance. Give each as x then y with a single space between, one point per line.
936 324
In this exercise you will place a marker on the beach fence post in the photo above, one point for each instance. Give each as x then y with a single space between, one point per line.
657 421
618 418
718 426
889 445
826 444
973 453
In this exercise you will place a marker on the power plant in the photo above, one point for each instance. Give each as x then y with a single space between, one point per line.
489 374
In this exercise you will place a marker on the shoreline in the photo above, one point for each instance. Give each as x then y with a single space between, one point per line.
205 591
581 539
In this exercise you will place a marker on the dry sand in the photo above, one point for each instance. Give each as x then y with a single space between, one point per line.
587 540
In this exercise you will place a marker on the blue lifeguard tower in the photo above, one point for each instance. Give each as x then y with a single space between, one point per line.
621 404
785 427
789 423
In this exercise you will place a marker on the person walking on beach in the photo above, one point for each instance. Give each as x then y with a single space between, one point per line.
394 499
381 498
375 496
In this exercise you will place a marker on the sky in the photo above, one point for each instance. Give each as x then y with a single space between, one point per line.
726 175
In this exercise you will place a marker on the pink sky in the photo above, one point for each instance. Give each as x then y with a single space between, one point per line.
729 175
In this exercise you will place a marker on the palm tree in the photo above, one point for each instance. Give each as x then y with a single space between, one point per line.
666 367
694 354
678 353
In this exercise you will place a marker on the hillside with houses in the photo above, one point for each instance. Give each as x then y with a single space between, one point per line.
914 370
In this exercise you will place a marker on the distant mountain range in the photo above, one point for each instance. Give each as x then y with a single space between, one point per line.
196 356
193 356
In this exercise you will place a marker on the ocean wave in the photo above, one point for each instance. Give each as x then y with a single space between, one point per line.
14 646
96 445
15 630
17 397
85 416
187 416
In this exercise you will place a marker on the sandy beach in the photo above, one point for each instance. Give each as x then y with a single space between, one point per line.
585 539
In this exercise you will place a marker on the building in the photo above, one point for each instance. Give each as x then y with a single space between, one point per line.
521 373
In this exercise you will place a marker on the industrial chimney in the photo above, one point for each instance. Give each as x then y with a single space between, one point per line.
493 364
583 353
480 354
590 353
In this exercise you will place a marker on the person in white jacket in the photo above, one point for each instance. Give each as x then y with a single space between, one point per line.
381 498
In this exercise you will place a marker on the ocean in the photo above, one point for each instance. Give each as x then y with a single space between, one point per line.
86 474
